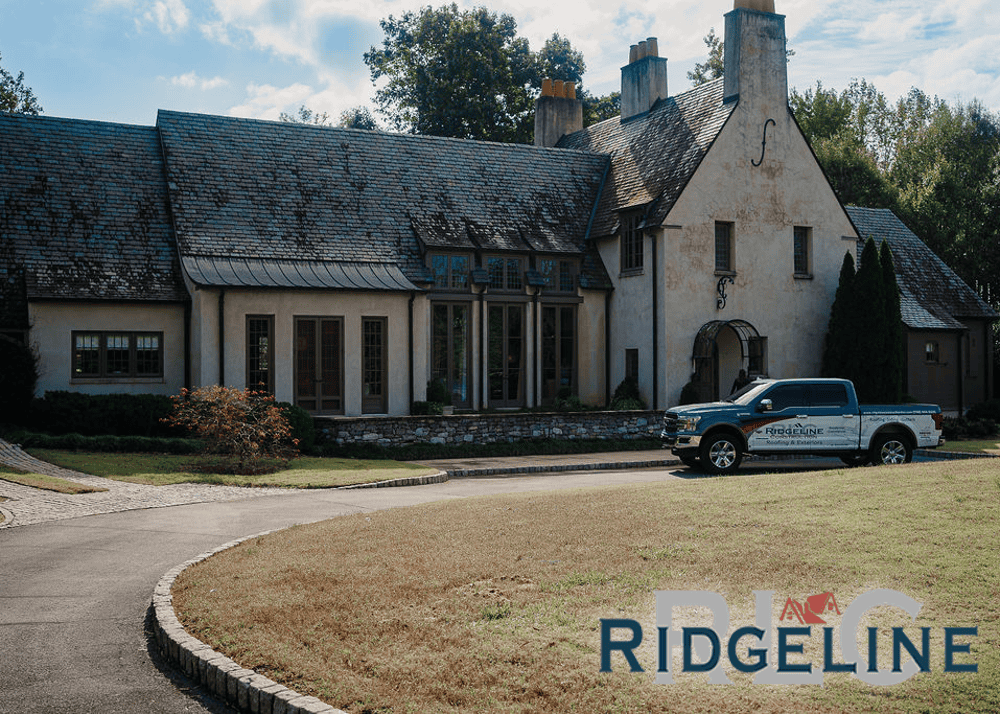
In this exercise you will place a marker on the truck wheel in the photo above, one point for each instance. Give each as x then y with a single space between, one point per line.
721 455
891 449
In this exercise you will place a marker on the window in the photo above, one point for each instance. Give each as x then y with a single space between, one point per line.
801 251
632 365
451 272
631 243
827 395
757 356
724 249
450 354
787 396
505 273
932 352
260 353
559 275
117 355
374 365
558 352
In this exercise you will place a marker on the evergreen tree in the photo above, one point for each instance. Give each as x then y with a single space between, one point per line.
869 324
839 333
893 349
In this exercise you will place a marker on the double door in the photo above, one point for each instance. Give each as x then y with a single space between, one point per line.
319 375
505 367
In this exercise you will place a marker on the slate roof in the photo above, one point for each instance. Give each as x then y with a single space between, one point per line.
933 296
272 192
83 211
654 155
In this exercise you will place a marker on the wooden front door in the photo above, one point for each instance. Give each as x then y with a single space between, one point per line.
319 358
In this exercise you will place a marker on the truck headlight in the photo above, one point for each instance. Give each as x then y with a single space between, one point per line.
688 423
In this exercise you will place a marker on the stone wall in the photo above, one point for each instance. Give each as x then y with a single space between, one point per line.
487 428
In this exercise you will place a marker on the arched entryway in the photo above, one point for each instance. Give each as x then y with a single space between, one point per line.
721 349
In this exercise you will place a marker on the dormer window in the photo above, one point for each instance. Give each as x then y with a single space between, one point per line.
505 273
559 275
451 272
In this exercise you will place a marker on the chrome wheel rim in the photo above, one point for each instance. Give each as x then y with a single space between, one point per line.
893 452
722 454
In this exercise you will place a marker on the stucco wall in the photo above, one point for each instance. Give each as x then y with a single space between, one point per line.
934 382
52 327
285 306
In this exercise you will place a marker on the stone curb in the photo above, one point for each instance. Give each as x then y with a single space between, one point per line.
439 477
556 468
242 689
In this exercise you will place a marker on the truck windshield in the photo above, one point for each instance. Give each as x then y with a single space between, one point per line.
748 393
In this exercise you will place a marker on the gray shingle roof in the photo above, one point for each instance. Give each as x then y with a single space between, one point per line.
83 211
290 192
653 156
933 296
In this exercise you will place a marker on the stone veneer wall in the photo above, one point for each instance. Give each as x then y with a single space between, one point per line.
487 428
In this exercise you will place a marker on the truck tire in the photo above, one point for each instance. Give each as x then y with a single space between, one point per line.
721 454
891 449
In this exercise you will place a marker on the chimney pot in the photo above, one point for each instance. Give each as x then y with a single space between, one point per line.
557 88
570 90
642 50
652 47
546 87
633 53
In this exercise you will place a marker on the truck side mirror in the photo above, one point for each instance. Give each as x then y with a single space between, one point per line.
765 405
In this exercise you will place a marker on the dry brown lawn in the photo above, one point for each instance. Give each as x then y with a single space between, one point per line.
494 604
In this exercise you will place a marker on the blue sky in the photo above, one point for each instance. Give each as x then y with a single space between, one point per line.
121 60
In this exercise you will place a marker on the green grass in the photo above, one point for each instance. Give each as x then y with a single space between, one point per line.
163 469
46 483
973 446
493 604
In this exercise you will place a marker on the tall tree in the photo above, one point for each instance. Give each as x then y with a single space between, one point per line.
358 118
839 335
892 351
15 96
452 72
714 66
305 115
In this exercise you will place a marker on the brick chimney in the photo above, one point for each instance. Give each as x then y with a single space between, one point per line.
644 79
756 67
557 112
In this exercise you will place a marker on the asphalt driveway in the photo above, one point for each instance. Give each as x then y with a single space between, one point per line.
74 593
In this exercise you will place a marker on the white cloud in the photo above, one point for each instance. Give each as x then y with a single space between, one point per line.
169 15
191 80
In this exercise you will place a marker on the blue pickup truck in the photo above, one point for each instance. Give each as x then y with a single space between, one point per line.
802 417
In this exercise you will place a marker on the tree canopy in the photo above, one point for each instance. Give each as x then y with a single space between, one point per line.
468 74
15 96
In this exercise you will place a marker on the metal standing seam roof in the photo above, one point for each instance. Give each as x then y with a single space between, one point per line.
933 296
259 273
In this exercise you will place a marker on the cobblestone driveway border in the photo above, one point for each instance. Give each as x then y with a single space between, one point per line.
241 688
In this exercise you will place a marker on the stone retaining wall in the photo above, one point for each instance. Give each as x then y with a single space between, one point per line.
487 428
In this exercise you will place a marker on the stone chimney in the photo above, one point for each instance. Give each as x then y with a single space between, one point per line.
644 79
557 112
756 66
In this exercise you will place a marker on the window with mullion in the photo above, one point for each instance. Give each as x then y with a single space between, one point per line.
117 354
631 243
451 272
505 274
724 258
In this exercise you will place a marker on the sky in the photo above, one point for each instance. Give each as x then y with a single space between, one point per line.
122 60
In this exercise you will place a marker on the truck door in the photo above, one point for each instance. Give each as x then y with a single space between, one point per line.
786 425
838 427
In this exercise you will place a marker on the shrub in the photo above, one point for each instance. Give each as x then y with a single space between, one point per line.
239 424
985 410
117 414
18 377
437 391
627 396
426 408
302 425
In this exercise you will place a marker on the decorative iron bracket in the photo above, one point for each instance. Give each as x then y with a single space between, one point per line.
720 288
763 144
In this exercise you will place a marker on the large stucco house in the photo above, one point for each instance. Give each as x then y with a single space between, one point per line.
690 238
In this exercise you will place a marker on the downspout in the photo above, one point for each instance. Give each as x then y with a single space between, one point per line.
413 296
961 376
482 339
607 348
536 366
187 344
656 331
222 337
